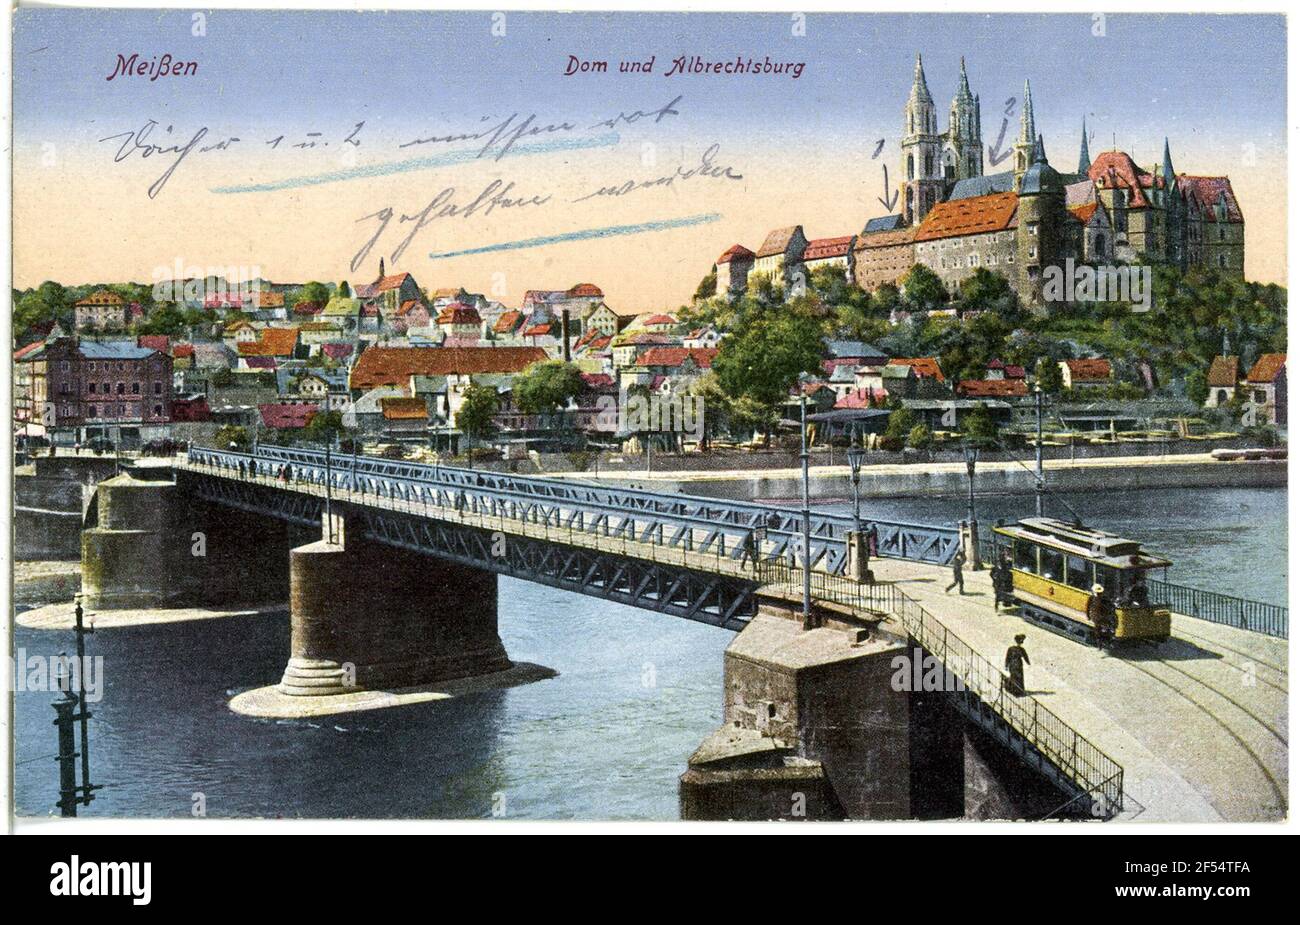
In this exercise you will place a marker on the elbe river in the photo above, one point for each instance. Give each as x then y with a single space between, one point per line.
605 739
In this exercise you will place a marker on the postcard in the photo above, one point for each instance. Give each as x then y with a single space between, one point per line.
868 417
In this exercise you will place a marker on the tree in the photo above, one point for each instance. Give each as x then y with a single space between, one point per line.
547 386
232 436
1048 376
978 428
344 291
717 407
323 427
47 302
477 408
923 289
314 292
222 378
920 437
763 361
900 424
708 286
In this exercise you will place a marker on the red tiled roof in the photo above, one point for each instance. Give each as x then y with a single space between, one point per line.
702 357
1223 372
776 241
1207 191
263 299
395 365
658 320
259 362
736 252
598 381
159 342
384 283
992 388
30 348
336 351
308 308
271 342
181 351
1085 212
976 215
102 297
458 313
508 321
404 409
286 416
539 330
885 239
1089 370
585 291
862 398
1116 170
1267 368
823 248
646 337
923 366
409 306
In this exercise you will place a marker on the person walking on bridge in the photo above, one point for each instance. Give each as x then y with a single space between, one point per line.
957 581
1017 659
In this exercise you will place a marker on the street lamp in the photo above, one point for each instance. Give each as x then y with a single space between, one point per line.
972 457
807 515
856 455
1038 450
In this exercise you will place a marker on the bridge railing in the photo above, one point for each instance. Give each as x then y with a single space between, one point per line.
1088 767
778 527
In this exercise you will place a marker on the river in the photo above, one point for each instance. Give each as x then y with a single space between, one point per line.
605 739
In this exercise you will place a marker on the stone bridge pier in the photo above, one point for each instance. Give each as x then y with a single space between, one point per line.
369 616
848 721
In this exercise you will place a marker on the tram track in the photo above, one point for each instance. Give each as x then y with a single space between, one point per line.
1244 654
1279 791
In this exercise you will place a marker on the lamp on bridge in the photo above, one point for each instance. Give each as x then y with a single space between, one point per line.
972 457
808 623
856 455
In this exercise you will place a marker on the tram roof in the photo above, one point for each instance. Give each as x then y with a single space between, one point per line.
1095 545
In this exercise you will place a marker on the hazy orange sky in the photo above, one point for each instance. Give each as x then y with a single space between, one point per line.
804 149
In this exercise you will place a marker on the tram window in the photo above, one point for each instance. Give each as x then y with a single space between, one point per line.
1108 578
1053 564
1133 587
1078 574
1026 556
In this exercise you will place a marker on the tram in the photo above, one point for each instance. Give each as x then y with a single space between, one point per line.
1082 582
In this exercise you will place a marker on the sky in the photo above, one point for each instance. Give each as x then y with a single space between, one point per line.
576 201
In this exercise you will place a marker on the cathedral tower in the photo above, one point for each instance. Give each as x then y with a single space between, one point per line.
1085 160
963 153
922 183
1023 149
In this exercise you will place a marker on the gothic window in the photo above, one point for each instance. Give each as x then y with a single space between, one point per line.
911 167
929 165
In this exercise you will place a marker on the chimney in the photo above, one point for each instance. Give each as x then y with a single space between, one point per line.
564 332
381 267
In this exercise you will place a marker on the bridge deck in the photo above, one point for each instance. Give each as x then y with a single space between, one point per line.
1198 741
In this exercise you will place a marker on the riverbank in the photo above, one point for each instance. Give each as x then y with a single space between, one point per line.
939 480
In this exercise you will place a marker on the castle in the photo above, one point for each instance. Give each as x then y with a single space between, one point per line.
954 218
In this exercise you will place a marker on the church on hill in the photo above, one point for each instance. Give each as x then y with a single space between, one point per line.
954 218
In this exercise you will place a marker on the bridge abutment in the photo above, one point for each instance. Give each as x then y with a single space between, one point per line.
367 616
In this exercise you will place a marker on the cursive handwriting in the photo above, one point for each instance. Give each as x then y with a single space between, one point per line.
496 195
136 141
705 168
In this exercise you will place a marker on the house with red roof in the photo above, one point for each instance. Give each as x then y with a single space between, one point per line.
1221 380
992 388
830 252
1266 385
924 367
460 321
287 415
100 310
780 255
1089 373
732 270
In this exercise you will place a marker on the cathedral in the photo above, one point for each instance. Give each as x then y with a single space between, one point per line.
954 218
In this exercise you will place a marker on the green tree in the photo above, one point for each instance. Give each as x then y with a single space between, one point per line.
232 436
923 289
900 424
978 428
314 292
547 386
344 290
708 286
47 302
324 427
717 406
920 437
477 408
1048 376
763 361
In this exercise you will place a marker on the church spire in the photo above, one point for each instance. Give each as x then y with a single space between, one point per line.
1085 161
1027 133
1170 177
963 87
919 89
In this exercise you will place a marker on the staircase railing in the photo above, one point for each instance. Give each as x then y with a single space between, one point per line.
1058 749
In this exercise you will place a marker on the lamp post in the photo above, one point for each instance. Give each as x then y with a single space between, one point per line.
972 457
1038 450
807 515
856 454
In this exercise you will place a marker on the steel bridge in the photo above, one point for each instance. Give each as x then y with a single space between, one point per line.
699 558
688 556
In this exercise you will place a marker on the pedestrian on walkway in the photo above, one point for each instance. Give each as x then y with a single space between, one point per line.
1017 659
957 581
